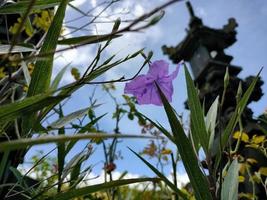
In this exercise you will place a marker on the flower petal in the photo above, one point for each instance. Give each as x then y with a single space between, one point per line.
137 85
158 69
167 89
150 96
172 76
144 89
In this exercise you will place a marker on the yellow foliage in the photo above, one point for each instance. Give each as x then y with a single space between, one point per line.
75 73
44 20
14 29
2 73
255 146
246 195
243 167
251 161
263 171
244 137
255 179
166 151
30 67
257 139
241 179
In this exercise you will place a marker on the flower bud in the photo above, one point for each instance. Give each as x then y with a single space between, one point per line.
226 78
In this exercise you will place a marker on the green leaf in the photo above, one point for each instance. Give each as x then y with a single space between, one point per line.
90 39
161 176
69 118
157 18
43 68
197 179
61 153
230 183
233 121
28 142
41 75
76 160
58 78
26 106
4 49
199 131
21 6
211 121
26 72
3 165
238 112
98 187
89 126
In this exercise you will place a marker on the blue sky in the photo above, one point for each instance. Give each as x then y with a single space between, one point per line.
249 52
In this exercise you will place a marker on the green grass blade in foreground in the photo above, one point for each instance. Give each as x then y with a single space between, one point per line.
62 121
161 176
28 142
21 6
95 188
41 75
90 39
230 183
59 76
234 120
43 68
27 106
197 179
5 49
199 131
211 121
239 110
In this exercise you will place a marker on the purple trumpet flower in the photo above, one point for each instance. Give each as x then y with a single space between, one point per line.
143 87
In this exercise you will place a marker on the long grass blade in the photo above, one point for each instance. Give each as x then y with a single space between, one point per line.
28 142
197 116
160 175
99 187
197 179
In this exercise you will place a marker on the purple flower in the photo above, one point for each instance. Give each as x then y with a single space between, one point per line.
143 87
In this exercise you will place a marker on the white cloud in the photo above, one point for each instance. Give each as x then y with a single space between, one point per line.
78 3
93 3
182 179
201 12
78 57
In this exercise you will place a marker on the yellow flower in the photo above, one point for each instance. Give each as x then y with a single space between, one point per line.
30 68
243 167
246 195
166 151
2 73
241 179
263 171
14 29
255 179
251 160
44 20
244 136
75 73
257 139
